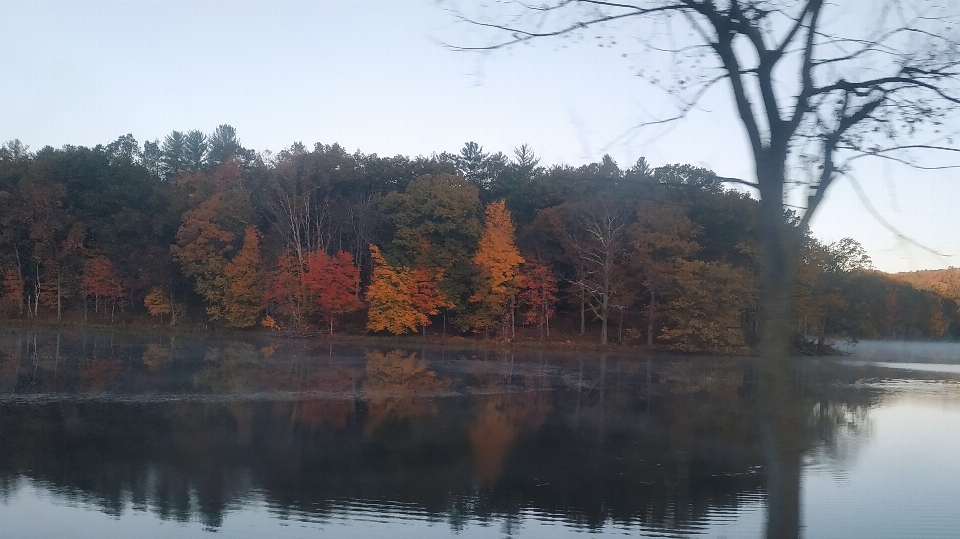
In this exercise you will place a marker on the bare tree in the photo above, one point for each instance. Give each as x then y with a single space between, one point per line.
300 207
600 249
817 86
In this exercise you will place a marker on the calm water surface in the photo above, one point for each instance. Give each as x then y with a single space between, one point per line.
110 435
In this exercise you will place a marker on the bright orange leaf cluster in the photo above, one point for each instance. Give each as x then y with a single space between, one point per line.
498 260
243 298
401 299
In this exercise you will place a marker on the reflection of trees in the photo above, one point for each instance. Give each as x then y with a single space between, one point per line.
9 365
155 357
98 374
232 367
399 386
501 419
839 429
662 443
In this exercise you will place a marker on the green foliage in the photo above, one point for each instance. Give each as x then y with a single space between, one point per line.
669 248
705 313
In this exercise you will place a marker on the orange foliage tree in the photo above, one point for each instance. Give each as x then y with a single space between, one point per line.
538 293
401 299
498 260
100 280
333 281
243 298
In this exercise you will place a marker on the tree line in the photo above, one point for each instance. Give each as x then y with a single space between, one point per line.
197 229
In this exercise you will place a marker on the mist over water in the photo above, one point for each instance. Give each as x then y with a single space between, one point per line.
113 435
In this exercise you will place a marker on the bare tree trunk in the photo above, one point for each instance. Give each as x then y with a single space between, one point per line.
36 294
620 328
542 318
653 303
546 317
583 311
604 315
20 276
780 429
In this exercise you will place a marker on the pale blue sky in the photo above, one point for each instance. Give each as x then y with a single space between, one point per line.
374 77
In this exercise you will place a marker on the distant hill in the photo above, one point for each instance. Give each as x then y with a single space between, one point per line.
945 282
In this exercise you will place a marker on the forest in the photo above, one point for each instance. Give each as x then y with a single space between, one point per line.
196 231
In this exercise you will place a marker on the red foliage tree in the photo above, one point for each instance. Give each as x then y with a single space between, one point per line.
285 294
425 296
538 293
334 282
101 280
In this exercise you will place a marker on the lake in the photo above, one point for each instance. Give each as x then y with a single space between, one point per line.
108 435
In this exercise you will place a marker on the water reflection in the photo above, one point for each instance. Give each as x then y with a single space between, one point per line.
196 430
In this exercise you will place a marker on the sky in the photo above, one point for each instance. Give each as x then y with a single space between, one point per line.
377 77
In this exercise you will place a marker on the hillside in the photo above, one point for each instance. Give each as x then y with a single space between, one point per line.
945 282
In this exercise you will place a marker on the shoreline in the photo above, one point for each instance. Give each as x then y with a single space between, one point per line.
557 343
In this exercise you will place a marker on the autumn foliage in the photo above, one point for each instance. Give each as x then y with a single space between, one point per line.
497 260
664 257
11 291
243 297
285 292
158 303
333 282
401 300
102 282
538 294
399 386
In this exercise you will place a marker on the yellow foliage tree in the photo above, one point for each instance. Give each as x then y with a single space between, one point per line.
390 307
498 261
158 303
243 300
202 248
401 299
